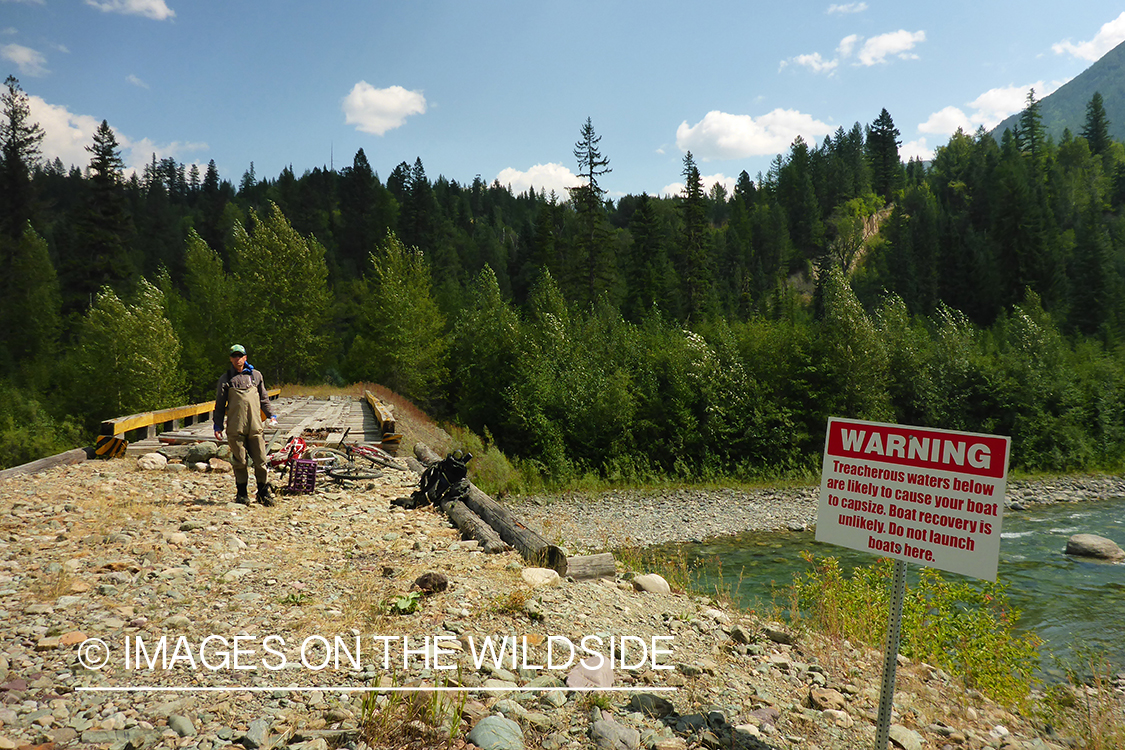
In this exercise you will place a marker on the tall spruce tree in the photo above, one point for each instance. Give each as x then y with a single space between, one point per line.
1096 129
694 257
882 153
592 247
19 155
105 227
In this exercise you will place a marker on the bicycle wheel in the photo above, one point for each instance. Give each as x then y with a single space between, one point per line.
379 458
353 473
326 458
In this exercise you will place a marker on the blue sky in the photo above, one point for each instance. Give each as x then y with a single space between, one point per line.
501 89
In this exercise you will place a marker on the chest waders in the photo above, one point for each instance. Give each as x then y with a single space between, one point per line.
244 435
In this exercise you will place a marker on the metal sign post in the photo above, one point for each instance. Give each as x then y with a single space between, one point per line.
915 494
890 656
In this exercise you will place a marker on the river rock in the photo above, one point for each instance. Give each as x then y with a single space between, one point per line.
585 676
181 725
539 577
497 733
905 738
256 734
200 453
607 734
652 583
651 705
152 462
1092 545
824 699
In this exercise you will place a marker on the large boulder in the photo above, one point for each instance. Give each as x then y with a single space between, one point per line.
1092 545
652 583
151 462
200 453
497 733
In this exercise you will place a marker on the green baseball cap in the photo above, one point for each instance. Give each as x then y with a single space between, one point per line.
237 349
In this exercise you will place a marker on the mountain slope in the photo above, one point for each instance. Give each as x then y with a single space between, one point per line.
1066 108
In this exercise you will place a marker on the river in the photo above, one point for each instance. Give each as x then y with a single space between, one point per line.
1073 604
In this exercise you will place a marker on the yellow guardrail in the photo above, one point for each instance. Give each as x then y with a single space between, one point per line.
168 417
384 415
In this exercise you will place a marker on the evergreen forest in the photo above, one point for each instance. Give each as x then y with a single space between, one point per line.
697 337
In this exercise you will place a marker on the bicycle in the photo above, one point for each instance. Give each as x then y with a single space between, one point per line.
296 448
375 455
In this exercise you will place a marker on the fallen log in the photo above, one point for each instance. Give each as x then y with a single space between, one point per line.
534 548
472 527
76 456
581 567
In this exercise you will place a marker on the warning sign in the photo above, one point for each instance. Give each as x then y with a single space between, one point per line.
932 497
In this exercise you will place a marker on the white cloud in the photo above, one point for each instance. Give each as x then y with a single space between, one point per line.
946 122
916 150
847 45
876 49
30 62
376 111
66 135
987 110
543 177
1109 36
873 51
725 136
154 9
708 180
814 62
136 81
845 9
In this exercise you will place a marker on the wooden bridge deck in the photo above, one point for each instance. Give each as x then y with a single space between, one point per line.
332 417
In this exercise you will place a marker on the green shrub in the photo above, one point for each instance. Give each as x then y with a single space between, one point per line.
965 629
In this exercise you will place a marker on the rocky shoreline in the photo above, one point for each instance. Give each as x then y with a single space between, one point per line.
110 551
642 518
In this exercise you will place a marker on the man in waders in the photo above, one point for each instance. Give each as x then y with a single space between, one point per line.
241 398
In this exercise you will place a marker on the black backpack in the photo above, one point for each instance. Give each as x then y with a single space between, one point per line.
436 481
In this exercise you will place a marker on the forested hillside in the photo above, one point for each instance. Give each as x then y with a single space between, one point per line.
696 336
1066 108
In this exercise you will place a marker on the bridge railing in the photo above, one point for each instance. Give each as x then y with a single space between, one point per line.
162 420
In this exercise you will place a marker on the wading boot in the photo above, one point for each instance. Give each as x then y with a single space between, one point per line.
240 495
265 495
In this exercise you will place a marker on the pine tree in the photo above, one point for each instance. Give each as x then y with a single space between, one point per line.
1031 137
694 258
882 154
591 260
19 155
1096 129
105 227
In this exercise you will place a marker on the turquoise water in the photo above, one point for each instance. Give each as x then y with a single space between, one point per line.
1071 603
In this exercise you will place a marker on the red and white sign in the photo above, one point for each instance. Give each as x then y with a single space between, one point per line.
932 497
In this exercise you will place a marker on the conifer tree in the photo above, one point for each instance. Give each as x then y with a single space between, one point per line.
882 153
19 155
105 227
591 262
694 258
1096 129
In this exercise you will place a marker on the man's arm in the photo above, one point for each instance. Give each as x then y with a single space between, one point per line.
264 398
220 406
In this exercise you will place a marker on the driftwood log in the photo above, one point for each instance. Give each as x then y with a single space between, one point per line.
473 527
76 456
534 548
580 567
